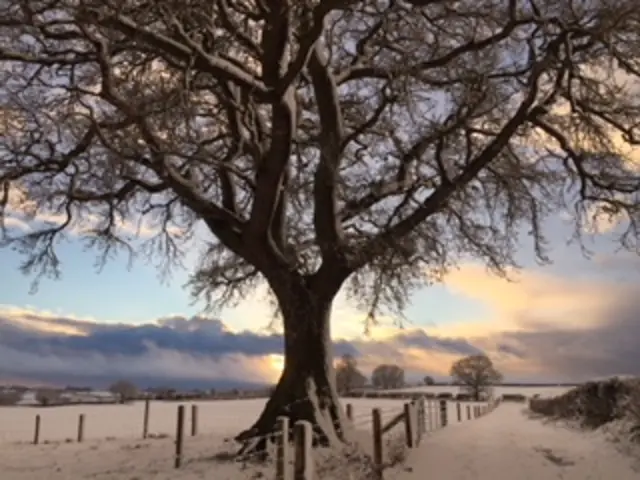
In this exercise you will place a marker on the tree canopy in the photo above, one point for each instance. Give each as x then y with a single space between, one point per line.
476 373
383 140
387 376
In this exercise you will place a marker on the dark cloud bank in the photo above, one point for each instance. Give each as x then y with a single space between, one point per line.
187 352
202 353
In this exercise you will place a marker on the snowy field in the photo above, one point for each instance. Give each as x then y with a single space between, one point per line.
504 445
222 417
114 450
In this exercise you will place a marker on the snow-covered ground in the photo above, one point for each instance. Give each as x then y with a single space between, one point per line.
222 417
508 445
113 448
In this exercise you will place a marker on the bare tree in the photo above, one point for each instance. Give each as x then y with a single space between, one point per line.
348 376
312 145
125 390
476 373
387 377
47 396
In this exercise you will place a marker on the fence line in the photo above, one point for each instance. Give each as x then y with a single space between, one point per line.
414 416
419 416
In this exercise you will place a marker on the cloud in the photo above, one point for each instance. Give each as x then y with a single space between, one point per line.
556 326
23 213
196 350
543 325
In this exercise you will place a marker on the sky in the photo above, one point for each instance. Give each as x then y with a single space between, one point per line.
572 321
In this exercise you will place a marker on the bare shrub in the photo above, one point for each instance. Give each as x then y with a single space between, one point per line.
47 397
630 410
591 405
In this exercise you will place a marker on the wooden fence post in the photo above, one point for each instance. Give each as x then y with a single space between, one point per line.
421 418
194 420
282 453
303 462
459 411
36 432
431 415
415 426
179 437
80 427
468 412
350 412
376 420
145 420
443 413
408 427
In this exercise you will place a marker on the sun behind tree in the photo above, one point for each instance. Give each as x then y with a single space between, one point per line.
476 373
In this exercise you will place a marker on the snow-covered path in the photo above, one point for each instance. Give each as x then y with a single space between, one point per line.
507 445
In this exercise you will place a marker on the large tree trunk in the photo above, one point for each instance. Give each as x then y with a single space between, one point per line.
307 387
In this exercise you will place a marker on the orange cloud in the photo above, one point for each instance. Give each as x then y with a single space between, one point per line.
550 297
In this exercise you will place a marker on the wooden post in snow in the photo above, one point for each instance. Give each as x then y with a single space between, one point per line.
177 462
443 413
36 432
282 452
194 420
80 427
303 443
376 421
145 420
408 425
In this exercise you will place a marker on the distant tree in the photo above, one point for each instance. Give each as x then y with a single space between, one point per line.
10 397
387 377
428 380
47 396
476 373
348 377
125 390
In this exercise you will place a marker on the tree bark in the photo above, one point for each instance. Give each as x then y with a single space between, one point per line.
306 389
